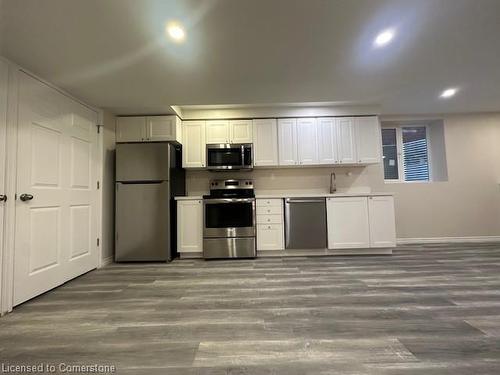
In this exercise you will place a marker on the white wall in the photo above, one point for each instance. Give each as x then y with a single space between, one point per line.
108 186
468 204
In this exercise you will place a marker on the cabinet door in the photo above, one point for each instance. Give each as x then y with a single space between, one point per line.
345 140
368 142
287 138
131 129
348 224
240 131
161 128
189 226
327 141
270 237
307 141
193 148
217 131
265 142
382 221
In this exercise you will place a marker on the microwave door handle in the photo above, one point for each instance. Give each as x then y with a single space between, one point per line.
243 156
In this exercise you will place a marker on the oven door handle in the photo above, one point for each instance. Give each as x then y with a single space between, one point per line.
228 200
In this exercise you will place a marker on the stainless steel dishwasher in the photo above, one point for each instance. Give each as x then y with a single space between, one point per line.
305 223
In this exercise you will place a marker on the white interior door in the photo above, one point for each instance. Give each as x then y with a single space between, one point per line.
56 230
3 144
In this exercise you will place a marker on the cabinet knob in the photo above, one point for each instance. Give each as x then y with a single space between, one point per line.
268 227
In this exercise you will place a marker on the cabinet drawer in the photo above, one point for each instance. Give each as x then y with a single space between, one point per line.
269 219
269 210
269 202
270 237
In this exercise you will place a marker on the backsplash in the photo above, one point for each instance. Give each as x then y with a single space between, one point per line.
314 179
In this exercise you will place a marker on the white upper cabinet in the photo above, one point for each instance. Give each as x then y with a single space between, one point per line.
307 141
368 140
287 137
346 144
347 221
327 141
240 131
130 129
382 221
193 144
163 128
217 131
148 129
265 142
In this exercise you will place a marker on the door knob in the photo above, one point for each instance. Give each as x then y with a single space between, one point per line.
26 197
3 198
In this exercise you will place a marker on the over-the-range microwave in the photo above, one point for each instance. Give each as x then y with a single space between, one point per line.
226 156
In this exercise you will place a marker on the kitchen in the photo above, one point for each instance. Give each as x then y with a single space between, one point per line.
265 221
258 187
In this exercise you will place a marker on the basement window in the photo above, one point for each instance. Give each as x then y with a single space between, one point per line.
407 149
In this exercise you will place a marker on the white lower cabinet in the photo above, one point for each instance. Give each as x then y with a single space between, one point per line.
382 221
361 222
270 232
270 237
190 226
348 225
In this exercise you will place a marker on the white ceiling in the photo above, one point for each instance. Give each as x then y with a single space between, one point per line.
114 54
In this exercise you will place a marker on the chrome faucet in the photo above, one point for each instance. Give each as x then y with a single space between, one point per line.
333 183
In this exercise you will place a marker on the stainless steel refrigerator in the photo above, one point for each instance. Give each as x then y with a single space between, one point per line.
148 177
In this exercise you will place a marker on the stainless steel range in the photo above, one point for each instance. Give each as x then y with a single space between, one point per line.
229 220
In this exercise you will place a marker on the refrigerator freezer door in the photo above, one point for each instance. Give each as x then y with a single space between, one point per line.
142 222
142 161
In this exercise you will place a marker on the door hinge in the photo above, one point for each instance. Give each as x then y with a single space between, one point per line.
98 185
98 242
98 128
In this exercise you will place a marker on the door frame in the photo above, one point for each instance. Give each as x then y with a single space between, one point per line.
7 255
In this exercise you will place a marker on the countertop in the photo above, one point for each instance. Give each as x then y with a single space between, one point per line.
285 194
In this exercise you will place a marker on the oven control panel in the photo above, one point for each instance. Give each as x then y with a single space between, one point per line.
230 184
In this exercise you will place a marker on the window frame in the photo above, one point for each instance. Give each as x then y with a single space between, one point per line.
400 154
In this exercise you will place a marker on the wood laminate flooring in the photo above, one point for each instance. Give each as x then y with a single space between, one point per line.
424 310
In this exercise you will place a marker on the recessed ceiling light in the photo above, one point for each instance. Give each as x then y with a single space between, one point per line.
448 93
176 31
384 38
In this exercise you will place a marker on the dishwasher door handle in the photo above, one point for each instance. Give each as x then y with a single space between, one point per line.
320 200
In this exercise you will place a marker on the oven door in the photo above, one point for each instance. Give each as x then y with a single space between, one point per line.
229 217
229 156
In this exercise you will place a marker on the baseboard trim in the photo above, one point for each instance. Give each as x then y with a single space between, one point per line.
436 240
191 255
106 261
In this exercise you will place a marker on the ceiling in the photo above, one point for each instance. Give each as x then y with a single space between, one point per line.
114 53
